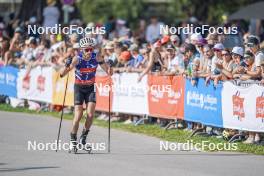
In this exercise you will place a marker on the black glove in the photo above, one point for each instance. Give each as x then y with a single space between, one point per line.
68 62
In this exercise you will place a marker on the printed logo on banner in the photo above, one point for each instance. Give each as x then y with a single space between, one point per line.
41 83
2 78
26 82
260 107
204 101
166 96
238 106
10 79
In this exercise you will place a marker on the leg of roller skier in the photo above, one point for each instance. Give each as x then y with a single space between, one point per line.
88 123
78 112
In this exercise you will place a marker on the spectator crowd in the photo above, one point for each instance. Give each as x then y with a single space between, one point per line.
143 50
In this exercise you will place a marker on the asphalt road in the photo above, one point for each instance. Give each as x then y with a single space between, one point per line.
132 154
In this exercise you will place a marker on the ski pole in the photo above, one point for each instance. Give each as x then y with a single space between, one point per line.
62 111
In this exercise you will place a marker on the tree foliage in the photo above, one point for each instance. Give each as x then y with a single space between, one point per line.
210 11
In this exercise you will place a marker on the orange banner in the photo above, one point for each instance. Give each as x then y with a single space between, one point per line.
166 96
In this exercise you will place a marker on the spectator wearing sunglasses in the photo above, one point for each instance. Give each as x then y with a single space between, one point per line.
215 72
226 67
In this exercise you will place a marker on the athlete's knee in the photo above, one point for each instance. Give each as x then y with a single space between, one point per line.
89 115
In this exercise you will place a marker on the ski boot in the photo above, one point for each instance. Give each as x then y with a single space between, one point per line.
73 144
83 137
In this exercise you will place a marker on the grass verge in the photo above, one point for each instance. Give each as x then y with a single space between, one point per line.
174 135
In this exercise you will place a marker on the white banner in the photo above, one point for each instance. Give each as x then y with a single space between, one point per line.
37 85
243 108
129 96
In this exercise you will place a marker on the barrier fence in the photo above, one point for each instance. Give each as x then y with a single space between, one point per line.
171 97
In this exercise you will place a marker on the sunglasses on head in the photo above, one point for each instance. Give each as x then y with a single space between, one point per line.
88 49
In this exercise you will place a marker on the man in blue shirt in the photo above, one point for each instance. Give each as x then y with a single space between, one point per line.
136 59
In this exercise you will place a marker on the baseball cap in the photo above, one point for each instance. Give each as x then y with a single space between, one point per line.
248 54
218 46
169 47
121 22
32 20
76 46
125 55
196 36
252 41
32 41
165 39
202 41
109 45
133 47
211 36
238 50
174 38
189 47
18 30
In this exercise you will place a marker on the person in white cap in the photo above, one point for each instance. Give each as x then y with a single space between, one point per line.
217 58
175 41
218 48
85 65
195 37
237 56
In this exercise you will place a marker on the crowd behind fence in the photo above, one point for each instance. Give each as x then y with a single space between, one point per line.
148 55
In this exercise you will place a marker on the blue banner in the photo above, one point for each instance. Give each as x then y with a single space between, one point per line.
203 103
8 81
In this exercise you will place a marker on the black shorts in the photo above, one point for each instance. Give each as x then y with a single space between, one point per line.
84 93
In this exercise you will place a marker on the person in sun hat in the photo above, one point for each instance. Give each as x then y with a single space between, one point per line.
110 52
85 65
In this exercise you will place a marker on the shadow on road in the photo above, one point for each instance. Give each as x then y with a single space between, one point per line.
25 168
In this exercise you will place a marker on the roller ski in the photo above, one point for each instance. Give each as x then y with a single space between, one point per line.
86 146
73 144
